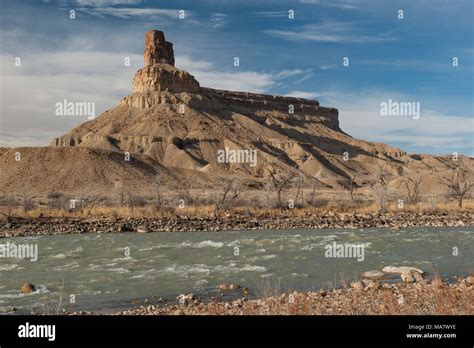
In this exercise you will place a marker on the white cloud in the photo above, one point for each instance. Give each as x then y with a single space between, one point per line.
106 2
248 81
302 94
329 31
271 14
327 66
218 20
28 94
359 115
208 76
292 72
128 12
342 4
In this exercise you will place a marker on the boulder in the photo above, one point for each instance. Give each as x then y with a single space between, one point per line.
418 276
373 274
407 277
401 269
229 286
186 298
412 276
27 288
142 229
371 284
223 286
357 285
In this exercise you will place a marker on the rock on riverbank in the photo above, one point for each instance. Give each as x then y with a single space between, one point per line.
432 297
283 220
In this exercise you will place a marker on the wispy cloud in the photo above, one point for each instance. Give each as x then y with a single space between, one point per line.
302 94
101 3
99 77
218 20
251 81
330 31
94 76
292 72
129 12
270 14
342 4
359 114
208 76
304 78
327 66
443 64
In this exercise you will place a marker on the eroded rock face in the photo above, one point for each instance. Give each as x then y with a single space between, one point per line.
157 49
159 73
171 119
162 77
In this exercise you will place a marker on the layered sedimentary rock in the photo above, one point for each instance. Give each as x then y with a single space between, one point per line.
157 49
171 120
162 77
159 73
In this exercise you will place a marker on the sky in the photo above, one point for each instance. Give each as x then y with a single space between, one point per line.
405 60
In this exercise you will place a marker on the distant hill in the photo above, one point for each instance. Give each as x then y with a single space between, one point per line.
172 127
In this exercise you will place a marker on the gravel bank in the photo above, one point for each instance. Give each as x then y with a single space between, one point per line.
427 297
284 220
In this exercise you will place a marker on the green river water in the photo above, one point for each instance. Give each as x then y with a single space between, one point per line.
107 272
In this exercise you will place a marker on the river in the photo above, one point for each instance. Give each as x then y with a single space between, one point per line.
107 272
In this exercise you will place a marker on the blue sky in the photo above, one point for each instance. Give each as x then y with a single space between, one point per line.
406 60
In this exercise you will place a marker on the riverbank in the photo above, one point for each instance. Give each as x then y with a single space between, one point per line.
286 219
428 297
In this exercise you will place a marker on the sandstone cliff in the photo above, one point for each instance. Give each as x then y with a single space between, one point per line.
176 126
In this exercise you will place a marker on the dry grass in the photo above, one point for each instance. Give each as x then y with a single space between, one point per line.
208 210
433 297
436 298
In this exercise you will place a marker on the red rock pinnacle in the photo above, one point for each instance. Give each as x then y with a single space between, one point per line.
157 49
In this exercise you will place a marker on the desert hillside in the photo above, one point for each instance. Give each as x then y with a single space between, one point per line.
172 128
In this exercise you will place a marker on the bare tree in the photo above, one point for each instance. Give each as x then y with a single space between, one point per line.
313 192
267 191
458 185
299 180
280 182
26 200
380 188
118 191
185 191
231 190
160 188
131 201
413 188
56 200
352 187
8 204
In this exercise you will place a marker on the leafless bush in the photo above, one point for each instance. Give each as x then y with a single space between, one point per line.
160 189
57 200
280 182
299 183
412 186
459 186
380 188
